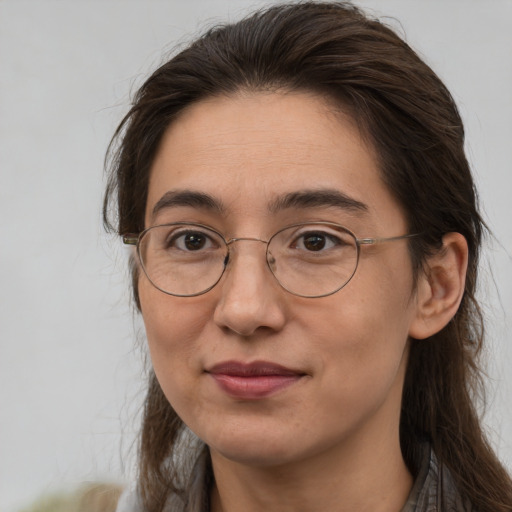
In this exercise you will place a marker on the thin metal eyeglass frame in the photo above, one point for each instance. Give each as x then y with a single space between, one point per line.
134 239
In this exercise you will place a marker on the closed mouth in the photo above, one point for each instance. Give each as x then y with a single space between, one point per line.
252 381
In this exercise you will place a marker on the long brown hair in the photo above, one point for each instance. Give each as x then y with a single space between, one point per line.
408 115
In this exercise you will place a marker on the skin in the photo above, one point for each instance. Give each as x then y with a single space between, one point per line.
330 440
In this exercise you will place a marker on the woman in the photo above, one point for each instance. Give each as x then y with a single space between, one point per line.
307 241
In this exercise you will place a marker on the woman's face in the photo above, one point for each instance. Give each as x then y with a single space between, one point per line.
265 377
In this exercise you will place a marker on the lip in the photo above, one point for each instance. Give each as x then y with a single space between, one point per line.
253 381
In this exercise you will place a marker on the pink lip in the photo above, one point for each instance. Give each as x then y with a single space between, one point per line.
253 381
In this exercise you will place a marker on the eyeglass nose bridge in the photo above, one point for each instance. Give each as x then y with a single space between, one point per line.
247 239
269 258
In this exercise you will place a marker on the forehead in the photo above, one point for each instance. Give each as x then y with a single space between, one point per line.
249 150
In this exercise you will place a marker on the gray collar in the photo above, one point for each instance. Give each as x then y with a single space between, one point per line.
434 489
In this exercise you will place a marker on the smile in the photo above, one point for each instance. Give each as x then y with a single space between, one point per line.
253 381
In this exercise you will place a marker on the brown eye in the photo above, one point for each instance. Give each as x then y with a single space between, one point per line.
317 241
314 242
194 241
191 241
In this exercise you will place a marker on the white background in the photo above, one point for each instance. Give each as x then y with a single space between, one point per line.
70 369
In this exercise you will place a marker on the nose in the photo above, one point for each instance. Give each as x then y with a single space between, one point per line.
251 300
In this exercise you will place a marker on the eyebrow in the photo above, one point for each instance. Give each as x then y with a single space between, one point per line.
191 198
297 200
316 199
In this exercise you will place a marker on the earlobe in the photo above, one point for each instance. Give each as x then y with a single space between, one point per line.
440 288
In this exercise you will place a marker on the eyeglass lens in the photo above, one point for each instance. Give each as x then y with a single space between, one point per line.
309 260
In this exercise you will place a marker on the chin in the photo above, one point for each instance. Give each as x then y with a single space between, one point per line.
254 455
253 448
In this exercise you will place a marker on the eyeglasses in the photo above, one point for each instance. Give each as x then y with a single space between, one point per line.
308 259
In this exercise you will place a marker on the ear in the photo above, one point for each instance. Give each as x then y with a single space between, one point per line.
440 287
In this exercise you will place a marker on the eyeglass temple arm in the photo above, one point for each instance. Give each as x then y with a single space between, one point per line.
130 239
371 241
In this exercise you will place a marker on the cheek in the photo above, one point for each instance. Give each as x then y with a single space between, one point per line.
384 291
173 328
367 326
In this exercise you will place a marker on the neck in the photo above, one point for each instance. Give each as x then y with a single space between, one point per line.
357 476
